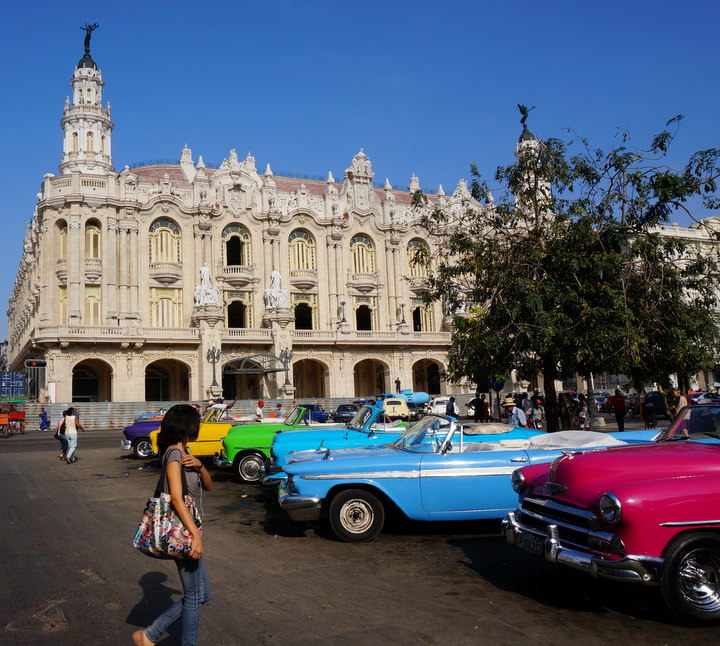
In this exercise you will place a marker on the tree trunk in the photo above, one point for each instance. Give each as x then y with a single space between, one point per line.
550 374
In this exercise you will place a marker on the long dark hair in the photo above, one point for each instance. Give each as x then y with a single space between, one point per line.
181 423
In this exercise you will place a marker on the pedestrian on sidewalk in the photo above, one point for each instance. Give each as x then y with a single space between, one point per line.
44 426
618 406
181 425
72 424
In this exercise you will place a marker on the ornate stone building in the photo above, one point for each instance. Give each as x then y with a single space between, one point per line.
177 282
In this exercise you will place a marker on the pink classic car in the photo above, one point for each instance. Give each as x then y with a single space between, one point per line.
648 514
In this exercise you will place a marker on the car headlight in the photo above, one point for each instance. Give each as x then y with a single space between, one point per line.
518 481
610 508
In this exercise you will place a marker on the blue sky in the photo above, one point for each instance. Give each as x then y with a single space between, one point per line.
424 87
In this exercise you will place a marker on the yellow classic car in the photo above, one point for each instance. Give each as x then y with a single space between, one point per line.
213 428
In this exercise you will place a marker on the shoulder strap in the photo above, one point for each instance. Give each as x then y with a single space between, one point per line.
162 480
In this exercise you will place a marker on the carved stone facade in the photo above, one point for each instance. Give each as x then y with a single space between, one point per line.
131 281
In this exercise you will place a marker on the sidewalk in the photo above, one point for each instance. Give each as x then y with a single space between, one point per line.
633 423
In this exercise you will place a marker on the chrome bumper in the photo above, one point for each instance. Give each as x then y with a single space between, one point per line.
219 460
274 479
125 445
637 569
301 508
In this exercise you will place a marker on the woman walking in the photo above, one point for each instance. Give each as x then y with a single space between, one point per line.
181 425
72 424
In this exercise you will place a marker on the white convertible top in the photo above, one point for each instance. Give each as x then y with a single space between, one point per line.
572 440
486 429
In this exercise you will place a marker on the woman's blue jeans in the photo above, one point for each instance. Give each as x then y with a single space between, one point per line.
71 446
196 591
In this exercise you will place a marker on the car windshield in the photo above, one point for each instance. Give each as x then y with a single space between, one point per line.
294 416
430 431
346 408
360 418
694 423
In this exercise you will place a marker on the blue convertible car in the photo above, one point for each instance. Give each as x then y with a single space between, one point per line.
368 428
437 470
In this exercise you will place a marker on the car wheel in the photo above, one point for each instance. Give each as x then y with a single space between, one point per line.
142 448
250 466
691 577
356 516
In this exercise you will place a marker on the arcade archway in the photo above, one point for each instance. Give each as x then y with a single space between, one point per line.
92 381
167 380
371 377
426 376
310 378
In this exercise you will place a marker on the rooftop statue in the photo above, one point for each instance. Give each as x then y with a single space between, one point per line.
88 29
524 111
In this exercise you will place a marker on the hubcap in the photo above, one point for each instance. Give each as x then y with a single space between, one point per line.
144 449
356 516
699 580
250 468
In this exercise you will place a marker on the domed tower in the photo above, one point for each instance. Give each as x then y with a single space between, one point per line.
86 125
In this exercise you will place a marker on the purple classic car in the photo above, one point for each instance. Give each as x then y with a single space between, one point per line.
136 437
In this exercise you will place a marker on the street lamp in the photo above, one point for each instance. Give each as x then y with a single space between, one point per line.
213 356
286 356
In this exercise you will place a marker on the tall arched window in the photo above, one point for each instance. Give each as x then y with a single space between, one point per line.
90 142
362 250
236 245
92 315
164 241
103 148
92 240
237 314
62 240
165 307
417 258
302 250
75 142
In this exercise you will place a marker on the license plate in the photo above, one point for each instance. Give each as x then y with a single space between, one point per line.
531 543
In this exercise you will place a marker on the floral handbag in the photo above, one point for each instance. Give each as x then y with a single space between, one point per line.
161 534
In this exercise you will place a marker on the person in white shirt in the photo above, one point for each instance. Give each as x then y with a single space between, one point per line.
259 411
515 415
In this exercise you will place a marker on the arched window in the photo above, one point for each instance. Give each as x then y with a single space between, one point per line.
237 315
92 314
302 250
75 142
164 241
165 307
362 250
90 142
363 318
62 240
365 312
92 240
103 149
422 316
236 245
303 317
417 258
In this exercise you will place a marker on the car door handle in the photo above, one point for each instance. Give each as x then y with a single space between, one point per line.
520 459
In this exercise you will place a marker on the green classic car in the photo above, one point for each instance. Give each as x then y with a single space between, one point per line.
246 447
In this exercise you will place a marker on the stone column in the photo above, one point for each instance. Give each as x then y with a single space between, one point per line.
133 282
75 266
109 273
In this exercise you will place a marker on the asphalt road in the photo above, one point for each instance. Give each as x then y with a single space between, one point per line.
69 576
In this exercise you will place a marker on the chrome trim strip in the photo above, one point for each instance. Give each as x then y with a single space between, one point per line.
465 472
369 474
690 523
565 509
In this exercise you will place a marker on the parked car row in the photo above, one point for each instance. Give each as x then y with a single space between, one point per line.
629 506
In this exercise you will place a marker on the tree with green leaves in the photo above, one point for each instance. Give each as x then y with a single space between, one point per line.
571 269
